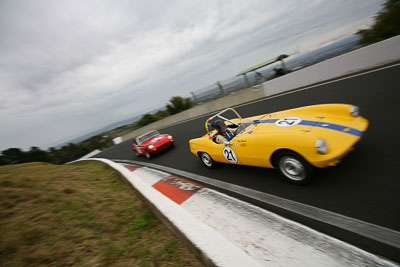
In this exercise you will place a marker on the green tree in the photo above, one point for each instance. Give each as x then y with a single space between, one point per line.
162 114
63 155
35 154
13 156
55 155
387 24
97 142
68 153
178 104
146 119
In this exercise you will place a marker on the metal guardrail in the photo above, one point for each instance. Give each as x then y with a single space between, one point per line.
225 87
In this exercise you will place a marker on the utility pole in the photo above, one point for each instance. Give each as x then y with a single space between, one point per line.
194 97
220 87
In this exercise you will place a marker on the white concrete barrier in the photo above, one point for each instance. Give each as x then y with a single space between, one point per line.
232 99
117 140
367 57
91 154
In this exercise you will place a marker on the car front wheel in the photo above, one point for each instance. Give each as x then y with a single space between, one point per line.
294 168
207 160
148 155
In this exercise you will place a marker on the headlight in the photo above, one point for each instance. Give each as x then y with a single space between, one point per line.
151 146
170 137
355 111
321 146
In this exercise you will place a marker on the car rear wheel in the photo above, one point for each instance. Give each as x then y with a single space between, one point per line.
148 155
207 160
294 168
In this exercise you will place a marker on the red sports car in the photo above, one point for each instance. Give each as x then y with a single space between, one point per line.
151 143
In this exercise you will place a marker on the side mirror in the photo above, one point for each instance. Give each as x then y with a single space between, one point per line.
226 143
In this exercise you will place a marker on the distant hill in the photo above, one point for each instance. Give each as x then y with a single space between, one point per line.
105 129
97 132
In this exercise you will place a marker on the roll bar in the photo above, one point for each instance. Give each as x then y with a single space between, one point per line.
218 115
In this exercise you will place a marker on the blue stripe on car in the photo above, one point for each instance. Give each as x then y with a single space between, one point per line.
325 125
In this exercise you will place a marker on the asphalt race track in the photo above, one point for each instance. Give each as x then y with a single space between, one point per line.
366 186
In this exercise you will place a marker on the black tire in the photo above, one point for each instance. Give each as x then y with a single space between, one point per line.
137 154
294 168
207 160
148 155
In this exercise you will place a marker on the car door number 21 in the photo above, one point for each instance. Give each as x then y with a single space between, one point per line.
229 154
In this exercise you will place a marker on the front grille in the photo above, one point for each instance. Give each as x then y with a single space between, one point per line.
163 146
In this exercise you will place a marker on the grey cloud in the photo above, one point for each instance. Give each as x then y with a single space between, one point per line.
71 67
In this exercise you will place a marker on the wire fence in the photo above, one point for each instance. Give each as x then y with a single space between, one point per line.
254 78
233 84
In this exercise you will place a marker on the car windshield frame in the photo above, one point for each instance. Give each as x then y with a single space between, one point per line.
147 136
219 115
243 126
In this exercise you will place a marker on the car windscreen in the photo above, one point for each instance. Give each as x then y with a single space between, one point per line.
147 136
242 126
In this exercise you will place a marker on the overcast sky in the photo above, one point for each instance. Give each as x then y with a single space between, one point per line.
71 67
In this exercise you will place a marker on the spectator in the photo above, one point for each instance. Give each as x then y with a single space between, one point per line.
259 77
278 72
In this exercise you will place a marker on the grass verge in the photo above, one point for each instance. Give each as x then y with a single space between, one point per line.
80 215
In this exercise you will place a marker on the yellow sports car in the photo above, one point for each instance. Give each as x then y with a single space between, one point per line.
294 141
